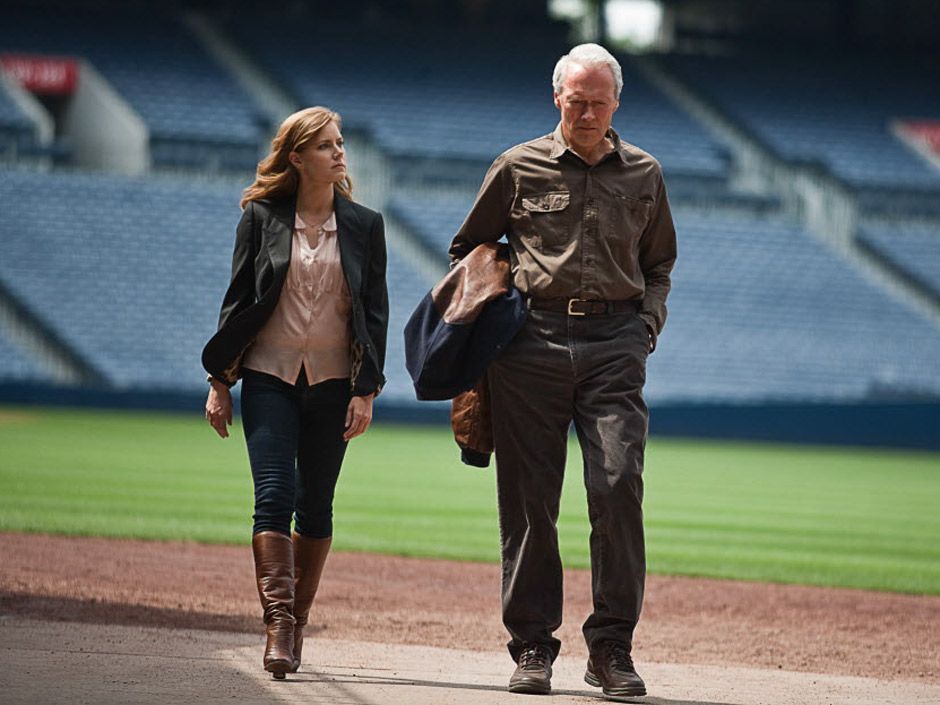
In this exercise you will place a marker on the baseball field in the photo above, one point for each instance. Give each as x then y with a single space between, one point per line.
842 517
785 574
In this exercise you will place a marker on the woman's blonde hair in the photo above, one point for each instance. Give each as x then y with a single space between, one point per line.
276 176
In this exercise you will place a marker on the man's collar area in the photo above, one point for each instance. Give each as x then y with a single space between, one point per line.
560 144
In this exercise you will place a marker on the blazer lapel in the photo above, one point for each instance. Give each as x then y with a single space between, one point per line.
351 242
279 231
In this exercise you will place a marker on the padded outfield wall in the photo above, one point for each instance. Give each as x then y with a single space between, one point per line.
890 425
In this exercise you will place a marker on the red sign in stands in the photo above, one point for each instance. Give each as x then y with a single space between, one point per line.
922 136
46 75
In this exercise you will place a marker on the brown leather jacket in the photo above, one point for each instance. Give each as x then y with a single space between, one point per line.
472 421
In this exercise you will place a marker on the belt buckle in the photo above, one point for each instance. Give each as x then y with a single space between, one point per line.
575 313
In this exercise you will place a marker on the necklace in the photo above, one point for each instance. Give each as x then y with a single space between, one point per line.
310 218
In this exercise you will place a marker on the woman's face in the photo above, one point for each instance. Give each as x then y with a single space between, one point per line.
323 159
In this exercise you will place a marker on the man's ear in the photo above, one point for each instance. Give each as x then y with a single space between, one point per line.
557 99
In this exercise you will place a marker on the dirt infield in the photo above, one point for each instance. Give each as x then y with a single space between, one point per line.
456 605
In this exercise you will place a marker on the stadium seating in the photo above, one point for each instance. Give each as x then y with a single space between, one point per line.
434 221
913 249
406 287
16 130
130 272
15 364
421 99
127 272
762 311
197 115
833 109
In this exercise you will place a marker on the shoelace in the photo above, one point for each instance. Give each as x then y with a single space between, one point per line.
533 659
619 657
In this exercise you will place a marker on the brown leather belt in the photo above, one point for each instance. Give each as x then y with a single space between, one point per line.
585 307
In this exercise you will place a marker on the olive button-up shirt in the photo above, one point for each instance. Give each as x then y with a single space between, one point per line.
601 232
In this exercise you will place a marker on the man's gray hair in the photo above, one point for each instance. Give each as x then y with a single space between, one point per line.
587 55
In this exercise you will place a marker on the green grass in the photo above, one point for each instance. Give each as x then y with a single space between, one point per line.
825 516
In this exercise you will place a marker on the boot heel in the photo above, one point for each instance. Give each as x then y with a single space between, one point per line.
278 669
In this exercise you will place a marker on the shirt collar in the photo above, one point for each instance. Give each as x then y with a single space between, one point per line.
328 226
560 144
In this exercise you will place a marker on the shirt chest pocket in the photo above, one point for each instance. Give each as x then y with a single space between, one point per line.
627 221
544 219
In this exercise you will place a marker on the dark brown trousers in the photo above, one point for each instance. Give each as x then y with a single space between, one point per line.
590 371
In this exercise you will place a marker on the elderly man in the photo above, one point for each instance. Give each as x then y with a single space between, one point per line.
592 244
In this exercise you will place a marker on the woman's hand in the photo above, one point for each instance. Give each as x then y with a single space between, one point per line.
358 416
219 408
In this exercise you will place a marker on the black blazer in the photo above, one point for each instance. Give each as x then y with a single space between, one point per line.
259 268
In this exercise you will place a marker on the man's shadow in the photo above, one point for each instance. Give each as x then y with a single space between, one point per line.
340 680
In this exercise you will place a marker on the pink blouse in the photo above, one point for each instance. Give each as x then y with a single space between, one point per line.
310 326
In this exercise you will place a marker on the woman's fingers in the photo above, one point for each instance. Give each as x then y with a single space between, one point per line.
218 422
358 417
353 429
353 414
219 415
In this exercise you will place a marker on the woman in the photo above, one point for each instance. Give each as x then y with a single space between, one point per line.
303 323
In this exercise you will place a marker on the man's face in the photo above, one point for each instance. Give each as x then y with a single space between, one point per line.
587 105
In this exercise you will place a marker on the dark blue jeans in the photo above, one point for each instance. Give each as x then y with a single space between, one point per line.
295 443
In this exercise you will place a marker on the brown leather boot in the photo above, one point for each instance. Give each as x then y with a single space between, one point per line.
309 558
274 569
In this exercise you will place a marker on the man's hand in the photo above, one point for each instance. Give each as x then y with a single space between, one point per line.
358 416
219 408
